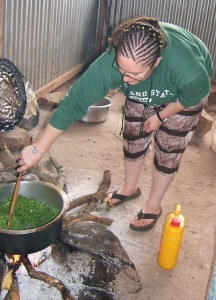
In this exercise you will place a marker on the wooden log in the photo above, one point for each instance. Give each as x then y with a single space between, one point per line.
92 217
100 193
50 86
65 293
92 205
14 293
2 267
10 283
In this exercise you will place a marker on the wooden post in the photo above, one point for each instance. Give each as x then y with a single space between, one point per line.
50 86
100 27
1 7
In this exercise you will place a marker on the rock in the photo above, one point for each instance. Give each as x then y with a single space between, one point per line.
30 176
213 136
204 125
50 100
211 107
7 177
32 113
14 139
97 262
212 95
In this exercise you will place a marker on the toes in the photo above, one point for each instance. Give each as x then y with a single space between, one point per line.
133 222
141 222
108 197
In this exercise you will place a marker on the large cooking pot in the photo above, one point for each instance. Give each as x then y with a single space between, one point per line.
24 242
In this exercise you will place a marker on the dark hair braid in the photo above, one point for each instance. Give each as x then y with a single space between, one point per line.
139 39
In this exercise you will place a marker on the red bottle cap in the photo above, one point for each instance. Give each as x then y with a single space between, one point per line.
175 222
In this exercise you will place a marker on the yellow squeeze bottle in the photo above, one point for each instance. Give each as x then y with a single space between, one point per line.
171 239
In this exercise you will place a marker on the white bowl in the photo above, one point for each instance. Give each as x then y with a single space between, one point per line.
98 111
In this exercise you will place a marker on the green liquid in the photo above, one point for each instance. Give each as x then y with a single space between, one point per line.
28 213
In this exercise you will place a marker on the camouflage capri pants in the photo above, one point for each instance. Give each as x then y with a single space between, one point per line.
170 140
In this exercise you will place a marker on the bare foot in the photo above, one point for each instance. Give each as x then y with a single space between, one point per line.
139 222
110 197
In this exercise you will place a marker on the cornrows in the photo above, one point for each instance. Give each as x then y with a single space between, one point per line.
140 41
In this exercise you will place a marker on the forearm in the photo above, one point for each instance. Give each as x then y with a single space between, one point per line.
50 134
171 109
32 154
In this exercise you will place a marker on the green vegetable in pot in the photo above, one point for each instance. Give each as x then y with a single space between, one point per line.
28 213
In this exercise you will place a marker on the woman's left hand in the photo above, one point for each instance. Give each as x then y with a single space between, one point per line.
152 123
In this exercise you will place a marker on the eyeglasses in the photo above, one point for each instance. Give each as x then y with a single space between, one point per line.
137 77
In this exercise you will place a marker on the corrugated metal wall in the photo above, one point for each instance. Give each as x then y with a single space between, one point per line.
46 38
198 16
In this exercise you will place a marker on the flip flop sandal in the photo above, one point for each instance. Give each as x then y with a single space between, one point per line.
141 216
13 99
124 198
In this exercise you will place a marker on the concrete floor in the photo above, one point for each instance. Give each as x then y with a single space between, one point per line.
86 150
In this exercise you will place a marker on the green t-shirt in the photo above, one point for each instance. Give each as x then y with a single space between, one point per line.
183 74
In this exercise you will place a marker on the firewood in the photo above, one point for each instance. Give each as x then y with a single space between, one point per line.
85 214
65 293
91 217
92 205
100 193
7 159
10 283
2 267
13 293
61 181
7 281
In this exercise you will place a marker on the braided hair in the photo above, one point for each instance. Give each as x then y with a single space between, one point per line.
139 38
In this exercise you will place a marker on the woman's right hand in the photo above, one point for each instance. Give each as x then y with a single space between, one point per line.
30 156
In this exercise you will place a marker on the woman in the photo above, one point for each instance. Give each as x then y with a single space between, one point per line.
164 72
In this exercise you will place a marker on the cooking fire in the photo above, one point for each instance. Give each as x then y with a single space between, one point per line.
10 282
28 260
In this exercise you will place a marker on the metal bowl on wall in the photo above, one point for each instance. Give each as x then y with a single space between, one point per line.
23 242
97 112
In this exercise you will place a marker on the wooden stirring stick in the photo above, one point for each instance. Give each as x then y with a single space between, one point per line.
15 193
14 199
